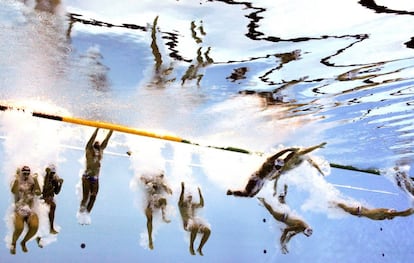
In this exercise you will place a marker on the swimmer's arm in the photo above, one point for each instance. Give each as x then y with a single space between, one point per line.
15 187
181 200
167 189
59 182
314 164
92 139
310 149
36 189
282 152
292 232
201 204
406 212
105 142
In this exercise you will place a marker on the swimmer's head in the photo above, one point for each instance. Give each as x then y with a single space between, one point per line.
51 169
96 145
279 163
308 231
25 171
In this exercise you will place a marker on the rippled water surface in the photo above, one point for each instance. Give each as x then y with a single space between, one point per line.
251 75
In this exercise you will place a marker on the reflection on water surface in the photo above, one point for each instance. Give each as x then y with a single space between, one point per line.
254 75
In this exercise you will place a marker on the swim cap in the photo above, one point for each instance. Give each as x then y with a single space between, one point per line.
308 231
96 145
279 163
52 168
25 169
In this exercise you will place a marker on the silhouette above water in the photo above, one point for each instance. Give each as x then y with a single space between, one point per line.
371 4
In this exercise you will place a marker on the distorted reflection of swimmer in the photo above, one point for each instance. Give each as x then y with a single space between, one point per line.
156 188
191 222
24 188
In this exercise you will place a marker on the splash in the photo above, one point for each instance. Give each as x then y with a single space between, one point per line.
32 142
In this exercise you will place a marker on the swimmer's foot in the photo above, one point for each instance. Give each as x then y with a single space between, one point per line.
200 252
192 251
24 248
13 249
38 240
82 209
229 192
53 231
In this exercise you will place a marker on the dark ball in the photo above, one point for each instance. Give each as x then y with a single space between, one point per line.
83 245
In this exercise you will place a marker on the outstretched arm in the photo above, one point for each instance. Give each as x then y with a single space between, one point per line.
92 139
406 212
267 206
314 164
166 188
310 149
181 200
284 240
201 204
282 152
351 210
105 142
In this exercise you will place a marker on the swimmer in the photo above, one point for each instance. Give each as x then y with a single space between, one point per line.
294 225
375 213
90 178
191 222
156 199
25 186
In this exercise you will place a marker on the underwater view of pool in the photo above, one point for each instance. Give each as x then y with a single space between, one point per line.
204 93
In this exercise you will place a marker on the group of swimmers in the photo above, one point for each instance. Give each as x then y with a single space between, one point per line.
156 190
290 158
26 186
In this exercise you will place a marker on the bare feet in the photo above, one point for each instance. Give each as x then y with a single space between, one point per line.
24 248
82 209
53 231
38 240
192 251
13 249
200 252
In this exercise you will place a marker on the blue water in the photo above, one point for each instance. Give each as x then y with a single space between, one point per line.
254 75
